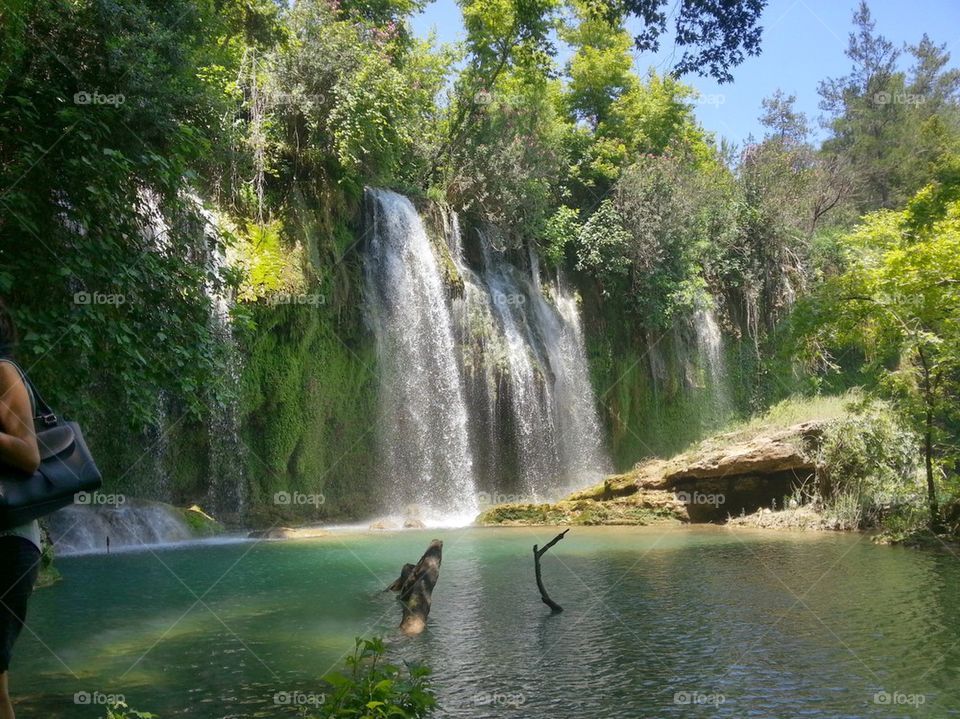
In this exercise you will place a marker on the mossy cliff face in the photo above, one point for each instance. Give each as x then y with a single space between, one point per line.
657 391
308 391
303 401
309 402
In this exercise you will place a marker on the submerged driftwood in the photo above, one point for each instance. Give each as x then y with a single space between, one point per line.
537 553
414 588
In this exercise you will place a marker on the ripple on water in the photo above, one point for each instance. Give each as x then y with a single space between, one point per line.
657 624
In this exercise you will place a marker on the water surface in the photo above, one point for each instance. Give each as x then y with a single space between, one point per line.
739 623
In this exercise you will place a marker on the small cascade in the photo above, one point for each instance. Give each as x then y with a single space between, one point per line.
423 432
709 339
226 494
85 529
227 480
153 479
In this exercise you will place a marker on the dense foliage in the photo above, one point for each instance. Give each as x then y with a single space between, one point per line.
117 117
898 302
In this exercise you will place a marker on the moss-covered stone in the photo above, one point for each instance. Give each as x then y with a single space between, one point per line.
579 512
782 458
434 224
200 523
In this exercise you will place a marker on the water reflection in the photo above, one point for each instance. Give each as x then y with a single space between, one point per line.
656 623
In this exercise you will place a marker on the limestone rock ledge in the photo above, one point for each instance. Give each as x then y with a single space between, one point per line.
726 476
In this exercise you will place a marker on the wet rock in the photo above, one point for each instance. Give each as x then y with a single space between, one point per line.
728 475
289 533
383 524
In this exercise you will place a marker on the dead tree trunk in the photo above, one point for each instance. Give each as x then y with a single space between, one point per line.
414 588
537 553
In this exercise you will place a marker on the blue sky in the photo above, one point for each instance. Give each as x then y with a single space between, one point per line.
803 42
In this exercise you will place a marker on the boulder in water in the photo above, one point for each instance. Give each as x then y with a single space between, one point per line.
383 524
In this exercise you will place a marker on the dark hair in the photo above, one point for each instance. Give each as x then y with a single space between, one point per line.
8 331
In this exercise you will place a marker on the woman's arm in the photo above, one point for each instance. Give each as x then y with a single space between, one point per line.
18 441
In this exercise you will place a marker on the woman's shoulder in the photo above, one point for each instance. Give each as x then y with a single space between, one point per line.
12 381
10 375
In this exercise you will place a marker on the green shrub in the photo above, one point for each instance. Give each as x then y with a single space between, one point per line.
869 461
373 688
120 710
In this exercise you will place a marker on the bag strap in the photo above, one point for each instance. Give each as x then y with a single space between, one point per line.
42 413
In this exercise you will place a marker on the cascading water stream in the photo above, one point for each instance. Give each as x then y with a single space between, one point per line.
584 458
423 416
530 386
228 453
484 385
710 350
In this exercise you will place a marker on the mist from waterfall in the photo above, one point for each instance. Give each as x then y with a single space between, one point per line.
84 529
485 392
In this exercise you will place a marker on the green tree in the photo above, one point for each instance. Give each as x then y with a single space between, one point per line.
715 36
891 128
502 36
601 68
899 302
783 120
357 96
107 118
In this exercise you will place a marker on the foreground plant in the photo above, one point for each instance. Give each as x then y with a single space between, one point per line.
374 688
120 710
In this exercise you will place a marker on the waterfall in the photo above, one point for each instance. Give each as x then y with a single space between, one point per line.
226 493
584 457
554 420
423 432
709 340
480 354
482 388
226 481
82 529
527 372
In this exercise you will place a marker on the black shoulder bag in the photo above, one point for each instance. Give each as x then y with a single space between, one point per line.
66 467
